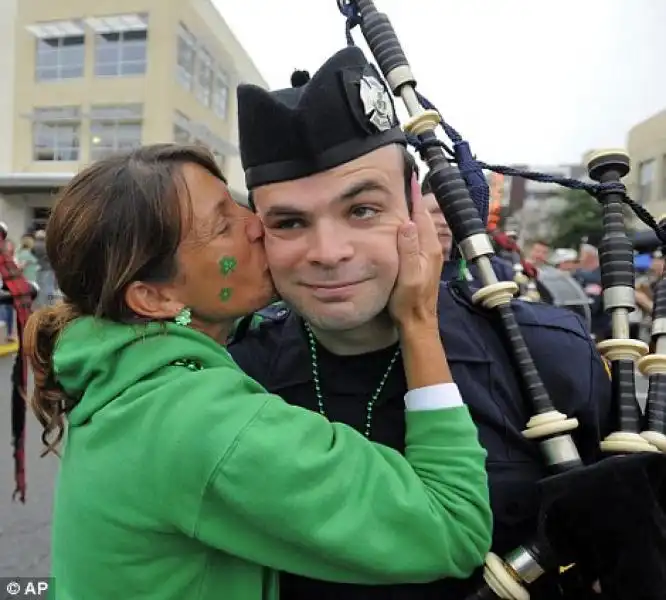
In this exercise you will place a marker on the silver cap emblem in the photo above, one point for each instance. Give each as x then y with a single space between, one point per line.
377 103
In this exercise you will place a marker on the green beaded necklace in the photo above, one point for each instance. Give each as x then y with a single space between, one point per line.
320 397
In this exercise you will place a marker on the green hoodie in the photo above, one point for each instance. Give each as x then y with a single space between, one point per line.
198 484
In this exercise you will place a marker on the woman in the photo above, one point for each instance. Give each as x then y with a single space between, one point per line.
181 477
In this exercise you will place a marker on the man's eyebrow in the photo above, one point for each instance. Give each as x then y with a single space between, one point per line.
285 210
360 187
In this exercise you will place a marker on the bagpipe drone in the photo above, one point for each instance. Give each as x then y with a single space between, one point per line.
609 517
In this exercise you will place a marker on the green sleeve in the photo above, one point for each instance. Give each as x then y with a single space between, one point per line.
299 494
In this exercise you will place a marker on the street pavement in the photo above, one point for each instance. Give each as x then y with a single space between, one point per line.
25 528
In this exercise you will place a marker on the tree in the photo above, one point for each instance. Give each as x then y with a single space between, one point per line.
581 219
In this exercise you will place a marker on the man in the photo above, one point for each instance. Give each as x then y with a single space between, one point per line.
657 265
456 269
588 276
565 259
330 177
539 253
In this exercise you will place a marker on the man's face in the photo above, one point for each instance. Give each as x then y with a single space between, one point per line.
568 265
331 238
589 261
539 254
443 231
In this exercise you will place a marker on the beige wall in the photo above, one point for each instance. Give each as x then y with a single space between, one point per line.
645 142
206 19
159 90
7 29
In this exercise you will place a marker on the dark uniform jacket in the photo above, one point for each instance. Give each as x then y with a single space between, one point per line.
276 354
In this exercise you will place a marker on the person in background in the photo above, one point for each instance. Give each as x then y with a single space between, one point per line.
452 268
644 294
26 260
588 276
657 265
565 259
45 277
539 253
181 477
7 310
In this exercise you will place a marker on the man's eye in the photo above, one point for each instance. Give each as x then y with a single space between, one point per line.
364 212
287 224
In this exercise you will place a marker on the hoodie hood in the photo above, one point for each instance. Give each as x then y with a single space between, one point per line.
96 360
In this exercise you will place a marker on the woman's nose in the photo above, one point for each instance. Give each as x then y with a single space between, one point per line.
254 228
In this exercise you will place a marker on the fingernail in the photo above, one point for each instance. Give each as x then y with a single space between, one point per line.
409 230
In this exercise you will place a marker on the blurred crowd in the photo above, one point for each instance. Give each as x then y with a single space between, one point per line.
30 256
583 265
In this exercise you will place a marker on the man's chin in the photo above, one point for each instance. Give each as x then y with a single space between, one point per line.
339 316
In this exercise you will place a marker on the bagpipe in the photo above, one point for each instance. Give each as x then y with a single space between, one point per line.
608 517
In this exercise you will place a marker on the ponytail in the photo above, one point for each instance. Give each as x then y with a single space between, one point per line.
49 402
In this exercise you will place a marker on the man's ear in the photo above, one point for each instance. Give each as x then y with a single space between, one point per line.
152 301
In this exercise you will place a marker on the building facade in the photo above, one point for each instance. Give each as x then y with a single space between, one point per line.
646 144
82 80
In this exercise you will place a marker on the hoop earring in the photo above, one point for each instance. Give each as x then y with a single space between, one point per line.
184 317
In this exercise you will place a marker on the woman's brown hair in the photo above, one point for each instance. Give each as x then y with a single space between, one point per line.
117 221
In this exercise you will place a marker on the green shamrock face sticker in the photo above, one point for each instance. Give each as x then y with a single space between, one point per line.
225 294
228 265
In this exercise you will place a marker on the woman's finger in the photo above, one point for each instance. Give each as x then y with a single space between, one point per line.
408 252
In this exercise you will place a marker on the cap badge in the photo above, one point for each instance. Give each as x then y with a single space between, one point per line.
377 103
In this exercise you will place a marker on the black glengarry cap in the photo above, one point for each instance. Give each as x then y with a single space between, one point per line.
341 113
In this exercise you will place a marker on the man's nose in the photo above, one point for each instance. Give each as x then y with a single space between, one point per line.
329 245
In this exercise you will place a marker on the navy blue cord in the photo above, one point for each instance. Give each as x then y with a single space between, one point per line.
353 18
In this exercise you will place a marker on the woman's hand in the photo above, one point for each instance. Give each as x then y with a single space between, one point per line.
414 298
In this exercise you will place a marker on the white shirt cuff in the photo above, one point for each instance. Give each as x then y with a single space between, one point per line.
433 397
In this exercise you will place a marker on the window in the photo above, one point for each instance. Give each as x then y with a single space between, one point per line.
40 217
186 58
220 94
187 132
181 129
60 58
114 129
204 77
645 180
181 135
56 133
121 45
